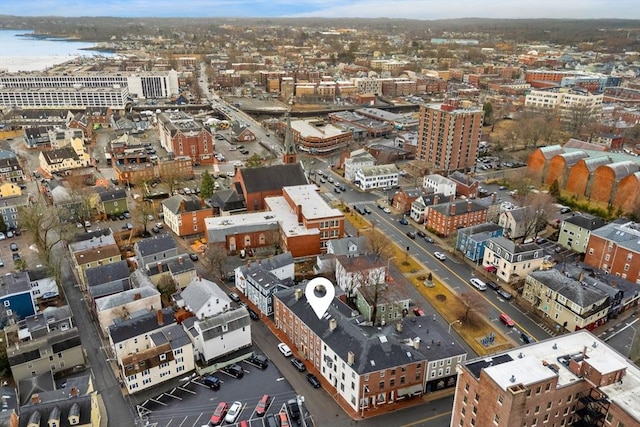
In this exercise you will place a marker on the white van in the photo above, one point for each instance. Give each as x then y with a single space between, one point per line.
478 284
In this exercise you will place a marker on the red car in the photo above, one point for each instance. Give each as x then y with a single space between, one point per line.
219 414
504 318
263 405
418 311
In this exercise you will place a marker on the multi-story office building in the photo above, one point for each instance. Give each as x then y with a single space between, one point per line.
38 97
154 84
571 380
448 137
565 100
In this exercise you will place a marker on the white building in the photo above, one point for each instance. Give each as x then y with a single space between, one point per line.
435 183
368 85
203 298
357 159
510 260
170 355
353 272
219 335
565 100
114 97
125 304
372 177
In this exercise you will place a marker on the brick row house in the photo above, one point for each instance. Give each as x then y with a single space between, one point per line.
182 135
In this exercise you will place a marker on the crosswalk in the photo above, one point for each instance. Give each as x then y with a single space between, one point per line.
547 329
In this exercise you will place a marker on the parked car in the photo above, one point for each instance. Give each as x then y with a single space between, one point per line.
526 338
421 233
418 311
440 256
478 284
294 410
234 411
10 234
127 215
16 257
2 236
493 285
252 314
193 256
403 221
270 421
429 240
503 293
234 370
299 364
13 247
284 419
367 210
565 210
155 230
219 414
386 210
212 382
1 263
284 349
504 318
259 360
234 297
336 190
313 380
263 405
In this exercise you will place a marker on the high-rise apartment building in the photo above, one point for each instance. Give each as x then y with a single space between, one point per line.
448 137
571 380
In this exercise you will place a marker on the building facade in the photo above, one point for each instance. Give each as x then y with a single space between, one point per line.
448 137
615 248
181 135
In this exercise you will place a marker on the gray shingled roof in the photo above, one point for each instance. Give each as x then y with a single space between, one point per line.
274 177
199 291
582 295
180 204
586 221
156 244
514 248
125 297
173 334
626 235
123 330
109 195
107 273
460 207
374 348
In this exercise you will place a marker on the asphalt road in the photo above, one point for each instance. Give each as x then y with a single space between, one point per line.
118 411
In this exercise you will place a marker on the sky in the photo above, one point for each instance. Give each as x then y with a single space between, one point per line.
413 9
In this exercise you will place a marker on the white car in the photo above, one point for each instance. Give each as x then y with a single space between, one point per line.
440 256
386 210
159 225
234 411
478 284
284 349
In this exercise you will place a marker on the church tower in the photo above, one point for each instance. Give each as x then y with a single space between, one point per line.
290 155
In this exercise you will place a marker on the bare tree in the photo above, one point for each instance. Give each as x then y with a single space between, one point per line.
216 258
372 285
537 209
44 223
377 243
473 307
166 286
143 214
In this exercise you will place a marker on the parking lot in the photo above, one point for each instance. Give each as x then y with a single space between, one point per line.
191 403
27 252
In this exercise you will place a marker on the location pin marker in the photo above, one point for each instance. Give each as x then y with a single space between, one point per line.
320 293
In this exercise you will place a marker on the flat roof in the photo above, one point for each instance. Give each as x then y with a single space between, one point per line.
306 128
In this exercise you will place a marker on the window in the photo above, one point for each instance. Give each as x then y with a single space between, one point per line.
163 357
496 419
500 400
7 303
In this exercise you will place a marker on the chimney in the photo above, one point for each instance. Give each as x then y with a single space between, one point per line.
351 358
416 343
494 197
469 206
74 392
160 318
436 200
299 212
180 260
159 265
35 398
137 296
298 294
333 324
452 209
399 326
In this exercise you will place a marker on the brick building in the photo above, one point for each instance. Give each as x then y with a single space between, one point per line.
181 135
446 218
571 380
185 214
448 136
608 177
615 248
365 367
258 183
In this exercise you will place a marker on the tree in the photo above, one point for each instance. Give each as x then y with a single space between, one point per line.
254 161
377 243
554 188
537 209
3 225
166 287
44 224
207 186
372 284
472 306
488 113
216 259
143 213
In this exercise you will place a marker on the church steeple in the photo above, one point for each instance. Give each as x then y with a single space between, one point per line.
290 155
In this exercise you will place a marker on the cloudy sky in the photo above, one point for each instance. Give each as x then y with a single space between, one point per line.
416 9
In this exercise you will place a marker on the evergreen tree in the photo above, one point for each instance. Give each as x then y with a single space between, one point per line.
554 188
206 186
3 225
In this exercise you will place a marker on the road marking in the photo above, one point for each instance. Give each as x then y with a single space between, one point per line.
280 379
197 419
434 417
183 421
187 390
158 402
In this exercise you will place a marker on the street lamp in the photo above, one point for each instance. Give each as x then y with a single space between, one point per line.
452 323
